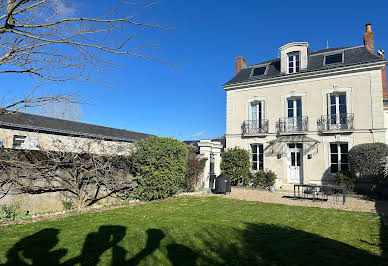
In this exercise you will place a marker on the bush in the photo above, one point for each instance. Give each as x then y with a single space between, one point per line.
236 165
159 165
264 178
67 205
12 213
367 161
345 179
194 168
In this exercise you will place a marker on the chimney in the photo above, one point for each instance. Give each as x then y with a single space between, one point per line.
369 41
383 74
240 63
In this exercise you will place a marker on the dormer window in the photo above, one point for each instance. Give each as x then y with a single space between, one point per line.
259 71
293 62
333 59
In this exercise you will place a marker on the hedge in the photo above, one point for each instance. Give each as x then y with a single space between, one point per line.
159 165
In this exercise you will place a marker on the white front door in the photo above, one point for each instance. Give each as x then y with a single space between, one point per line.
295 163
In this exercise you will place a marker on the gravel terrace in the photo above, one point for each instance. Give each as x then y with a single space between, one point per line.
352 204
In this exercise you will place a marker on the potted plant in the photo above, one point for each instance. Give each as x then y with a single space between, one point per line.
270 178
265 179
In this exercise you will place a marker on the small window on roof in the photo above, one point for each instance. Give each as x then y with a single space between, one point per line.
258 71
333 59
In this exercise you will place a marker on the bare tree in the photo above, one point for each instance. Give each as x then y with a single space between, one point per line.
53 40
83 177
67 111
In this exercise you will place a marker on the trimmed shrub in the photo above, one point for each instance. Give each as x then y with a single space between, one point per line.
345 179
159 165
236 165
264 179
194 168
367 161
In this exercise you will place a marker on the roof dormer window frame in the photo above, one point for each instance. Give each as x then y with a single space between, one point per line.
293 62
264 74
333 53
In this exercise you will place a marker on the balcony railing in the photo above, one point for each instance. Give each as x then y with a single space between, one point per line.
255 127
292 124
336 122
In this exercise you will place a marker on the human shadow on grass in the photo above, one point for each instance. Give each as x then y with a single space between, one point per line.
38 249
257 244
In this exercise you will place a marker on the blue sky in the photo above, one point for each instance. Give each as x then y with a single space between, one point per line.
187 101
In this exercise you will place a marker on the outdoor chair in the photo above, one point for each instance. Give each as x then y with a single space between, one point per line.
307 191
326 192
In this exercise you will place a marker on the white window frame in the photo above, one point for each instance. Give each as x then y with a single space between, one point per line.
258 111
258 156
294 106
293 56
339 153
20 138
337 104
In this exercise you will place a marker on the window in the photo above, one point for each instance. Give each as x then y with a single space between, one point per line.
257 111
337 108
257 157
293 62
259 71
338 157
294 107
333 59
18 141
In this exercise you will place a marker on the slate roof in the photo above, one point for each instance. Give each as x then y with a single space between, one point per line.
352 56
50 125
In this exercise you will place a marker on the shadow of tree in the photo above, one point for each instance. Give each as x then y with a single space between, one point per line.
256 244
382 208
266 244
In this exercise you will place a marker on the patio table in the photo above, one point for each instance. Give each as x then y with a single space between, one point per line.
314 187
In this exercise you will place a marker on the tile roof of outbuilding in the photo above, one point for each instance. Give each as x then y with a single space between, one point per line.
25 121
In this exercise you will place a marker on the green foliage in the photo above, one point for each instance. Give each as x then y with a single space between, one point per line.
345 179
192 149
12 213
67 205
264 179
159 165
195 167
236 165
367 161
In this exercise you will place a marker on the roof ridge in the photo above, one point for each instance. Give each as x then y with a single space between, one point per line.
71 121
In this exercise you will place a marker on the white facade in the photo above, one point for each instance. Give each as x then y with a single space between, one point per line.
293 107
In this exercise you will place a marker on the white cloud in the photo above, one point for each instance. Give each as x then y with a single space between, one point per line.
198 134
64 8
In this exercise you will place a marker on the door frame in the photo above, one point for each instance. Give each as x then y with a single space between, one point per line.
302 162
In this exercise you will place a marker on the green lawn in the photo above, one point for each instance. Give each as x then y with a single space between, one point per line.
200 231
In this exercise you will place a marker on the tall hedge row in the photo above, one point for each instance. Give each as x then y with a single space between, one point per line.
236 165
159 165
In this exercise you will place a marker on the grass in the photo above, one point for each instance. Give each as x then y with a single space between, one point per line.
200 231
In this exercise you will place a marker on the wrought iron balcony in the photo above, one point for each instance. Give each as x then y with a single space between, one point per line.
255 127
292 124
336 122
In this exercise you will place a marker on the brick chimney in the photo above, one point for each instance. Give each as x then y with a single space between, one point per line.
369 41
240 63
384 75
